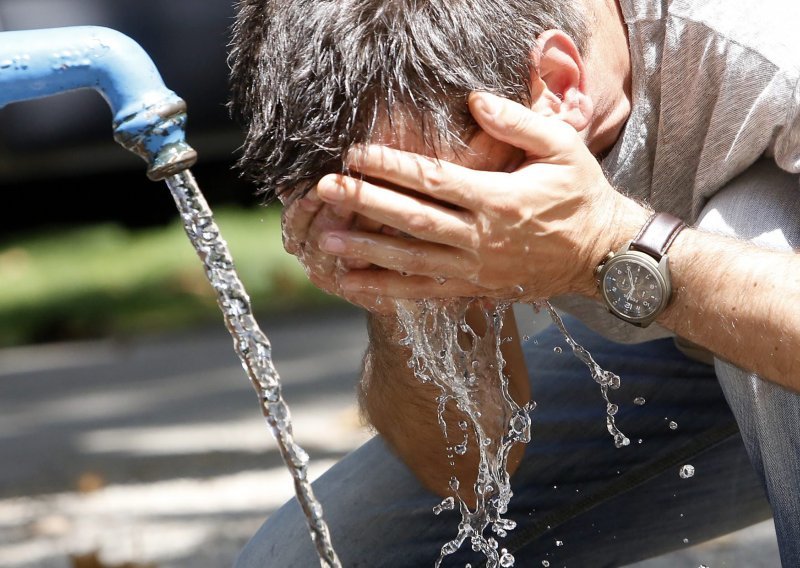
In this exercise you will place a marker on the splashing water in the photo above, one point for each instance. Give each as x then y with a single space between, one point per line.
468 370
606 379
252 346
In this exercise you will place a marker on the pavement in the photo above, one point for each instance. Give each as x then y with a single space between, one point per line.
152 450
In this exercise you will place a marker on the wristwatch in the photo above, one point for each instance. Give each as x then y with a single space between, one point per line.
635 282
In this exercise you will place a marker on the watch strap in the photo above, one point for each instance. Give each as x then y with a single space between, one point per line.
658 234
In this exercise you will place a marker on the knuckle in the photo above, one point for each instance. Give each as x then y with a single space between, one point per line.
418 223
518 121
432 177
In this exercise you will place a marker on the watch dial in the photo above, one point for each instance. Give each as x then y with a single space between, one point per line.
633 289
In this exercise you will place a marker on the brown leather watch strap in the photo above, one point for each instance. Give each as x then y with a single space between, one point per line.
658 234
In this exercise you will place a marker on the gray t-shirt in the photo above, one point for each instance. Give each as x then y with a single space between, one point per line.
716 86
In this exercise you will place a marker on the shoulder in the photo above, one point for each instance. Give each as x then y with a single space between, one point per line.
767 29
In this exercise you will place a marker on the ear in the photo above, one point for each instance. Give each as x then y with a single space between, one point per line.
561 81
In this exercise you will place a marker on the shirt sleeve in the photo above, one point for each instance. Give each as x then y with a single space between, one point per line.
787 142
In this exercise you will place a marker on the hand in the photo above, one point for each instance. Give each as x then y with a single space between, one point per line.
536 232
304 219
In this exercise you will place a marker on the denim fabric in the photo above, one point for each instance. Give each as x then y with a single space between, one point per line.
607 506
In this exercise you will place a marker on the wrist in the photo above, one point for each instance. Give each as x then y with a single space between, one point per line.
624 219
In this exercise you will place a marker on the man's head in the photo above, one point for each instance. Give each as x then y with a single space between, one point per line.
312 78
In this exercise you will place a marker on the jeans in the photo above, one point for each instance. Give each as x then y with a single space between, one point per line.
579 501
607 506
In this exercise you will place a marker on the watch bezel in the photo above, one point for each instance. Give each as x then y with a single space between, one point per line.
660 270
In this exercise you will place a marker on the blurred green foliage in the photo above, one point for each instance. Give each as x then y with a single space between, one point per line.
101 280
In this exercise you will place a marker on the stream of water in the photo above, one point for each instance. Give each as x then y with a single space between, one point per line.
252 346
467 368
606 379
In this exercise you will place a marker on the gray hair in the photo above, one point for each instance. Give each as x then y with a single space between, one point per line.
312 78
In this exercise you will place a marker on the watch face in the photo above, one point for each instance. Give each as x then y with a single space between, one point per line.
633 287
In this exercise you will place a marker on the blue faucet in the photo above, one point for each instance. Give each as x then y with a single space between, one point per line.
149 119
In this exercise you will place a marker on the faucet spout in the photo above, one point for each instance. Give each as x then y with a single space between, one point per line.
148 118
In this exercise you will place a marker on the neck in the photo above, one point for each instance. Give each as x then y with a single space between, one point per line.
608 72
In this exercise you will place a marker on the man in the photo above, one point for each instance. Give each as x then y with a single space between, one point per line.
681 102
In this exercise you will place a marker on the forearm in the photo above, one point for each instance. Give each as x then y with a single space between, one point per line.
405 411
739 301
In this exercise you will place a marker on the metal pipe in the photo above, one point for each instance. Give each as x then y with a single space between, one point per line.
148 118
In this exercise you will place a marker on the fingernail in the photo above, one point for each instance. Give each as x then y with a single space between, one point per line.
487 104
330 190
333 244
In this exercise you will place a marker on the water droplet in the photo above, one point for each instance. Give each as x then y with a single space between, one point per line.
526 337
557 350
639 401
612 409
639 441
545 563
461 449
441 280
506 559
454 484
686 541
447 505
686 471
673 425
519 290
559 543
463 425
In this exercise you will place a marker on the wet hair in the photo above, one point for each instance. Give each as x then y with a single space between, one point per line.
312 78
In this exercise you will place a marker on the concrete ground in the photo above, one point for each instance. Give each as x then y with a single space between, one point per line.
153 450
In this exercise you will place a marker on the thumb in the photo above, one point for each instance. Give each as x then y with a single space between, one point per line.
514 124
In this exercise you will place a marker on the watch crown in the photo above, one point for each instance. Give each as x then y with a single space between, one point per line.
599 268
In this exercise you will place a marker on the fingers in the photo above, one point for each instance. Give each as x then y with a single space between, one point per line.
424 220
402 255
296 221
519 126
390 284
441 180
303 223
